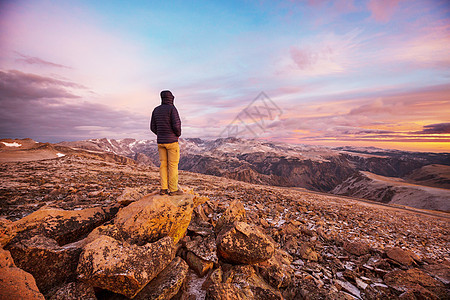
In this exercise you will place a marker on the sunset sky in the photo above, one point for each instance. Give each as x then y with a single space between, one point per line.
357 73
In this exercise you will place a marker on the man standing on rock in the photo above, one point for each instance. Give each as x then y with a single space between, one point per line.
166 124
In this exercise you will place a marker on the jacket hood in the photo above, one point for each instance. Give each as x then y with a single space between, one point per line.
167 97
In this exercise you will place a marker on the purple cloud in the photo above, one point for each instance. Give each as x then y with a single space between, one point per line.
41 108
38 61
18 85
439 128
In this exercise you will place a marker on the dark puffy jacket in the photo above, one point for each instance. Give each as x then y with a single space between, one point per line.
165 122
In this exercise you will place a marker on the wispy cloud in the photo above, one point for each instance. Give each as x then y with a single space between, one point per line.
38 61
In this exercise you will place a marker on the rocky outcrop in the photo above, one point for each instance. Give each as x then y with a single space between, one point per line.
121 267
325 247
244 243
49 263
154 217
15 283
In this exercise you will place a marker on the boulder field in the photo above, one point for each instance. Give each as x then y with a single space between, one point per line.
191 247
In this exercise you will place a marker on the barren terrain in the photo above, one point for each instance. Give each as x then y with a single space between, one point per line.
315 229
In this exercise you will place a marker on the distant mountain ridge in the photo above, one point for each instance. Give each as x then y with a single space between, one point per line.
313 167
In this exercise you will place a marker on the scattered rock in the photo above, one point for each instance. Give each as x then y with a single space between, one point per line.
204 247
439 271
277 270
200 266
418 292
356 248
154 217
74 291
403 281
401 256
215 277
167 283
49 263
252 286
348 287
200 227
121 267
306 251
128 196
234 213
15 283
244 243
226 291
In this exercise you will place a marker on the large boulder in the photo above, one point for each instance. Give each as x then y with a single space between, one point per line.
49 263
65 226
123 268
154 217
244 244
167 284
15 283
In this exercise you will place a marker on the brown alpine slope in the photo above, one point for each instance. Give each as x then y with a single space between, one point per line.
310 246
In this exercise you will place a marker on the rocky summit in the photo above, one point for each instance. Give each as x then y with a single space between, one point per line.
91 226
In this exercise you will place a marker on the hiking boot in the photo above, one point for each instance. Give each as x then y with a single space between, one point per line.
163 192
178 192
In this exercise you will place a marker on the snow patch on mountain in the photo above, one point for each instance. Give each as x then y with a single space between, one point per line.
14 144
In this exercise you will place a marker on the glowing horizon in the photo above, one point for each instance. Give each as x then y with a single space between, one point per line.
357 73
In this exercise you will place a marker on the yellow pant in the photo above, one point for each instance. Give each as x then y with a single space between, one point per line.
169 155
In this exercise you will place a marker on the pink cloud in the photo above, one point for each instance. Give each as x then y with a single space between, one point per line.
395 116
431 47
382 10
325 54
